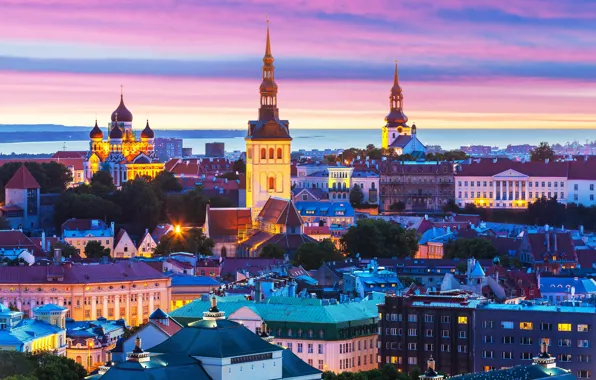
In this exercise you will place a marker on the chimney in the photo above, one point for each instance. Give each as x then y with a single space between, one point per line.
43 241
555 236
112 228
57 256
546 235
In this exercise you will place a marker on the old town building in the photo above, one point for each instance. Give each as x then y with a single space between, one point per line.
124 155
129 290
420 186
79 232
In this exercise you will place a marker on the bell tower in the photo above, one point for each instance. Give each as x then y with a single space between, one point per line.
396 121
267 144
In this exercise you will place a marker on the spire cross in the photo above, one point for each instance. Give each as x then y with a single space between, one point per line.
121 90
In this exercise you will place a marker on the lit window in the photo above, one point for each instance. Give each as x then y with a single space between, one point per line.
526 325
507 325
583 328
462 320
564 326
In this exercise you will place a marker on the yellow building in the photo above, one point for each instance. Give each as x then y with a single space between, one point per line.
267 145
123 154
79 232
128 290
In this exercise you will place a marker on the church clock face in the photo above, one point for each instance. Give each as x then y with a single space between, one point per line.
400 129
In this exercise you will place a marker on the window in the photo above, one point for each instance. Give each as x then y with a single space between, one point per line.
271 183
429 333
487 354
462 334
583 358
290 346
506 325
583 328
546 326
445 319
525 356
526 340
299 347
507 355
445 333
310 348
271 156
526 325
412 360
508 340
583 373
564 326
429 347
564 342
488 324
263 154
462 320
583 343
428 318
321 365
462 348
565 358
445 348
412 318
487 339
310 362
412 332
412 346
279 155
576 187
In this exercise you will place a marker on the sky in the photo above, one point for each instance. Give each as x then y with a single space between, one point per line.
197 63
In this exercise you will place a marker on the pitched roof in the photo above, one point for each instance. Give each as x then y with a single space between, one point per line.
527 372
83 225
79 274
280 211
490 167
70 154
22 179
401 141
227 221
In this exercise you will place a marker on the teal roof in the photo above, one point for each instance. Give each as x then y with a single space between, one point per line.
526 372
194 310
477 271
27 330
216 339
49 307
293 366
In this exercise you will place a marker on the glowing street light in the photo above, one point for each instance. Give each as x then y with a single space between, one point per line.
177 229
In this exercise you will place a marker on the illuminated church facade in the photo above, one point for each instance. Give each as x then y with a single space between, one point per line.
123 154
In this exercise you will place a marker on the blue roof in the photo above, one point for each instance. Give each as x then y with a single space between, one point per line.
325 208
49 307
27 330
564 284
190 280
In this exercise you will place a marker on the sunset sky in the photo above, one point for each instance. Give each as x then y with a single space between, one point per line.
196 63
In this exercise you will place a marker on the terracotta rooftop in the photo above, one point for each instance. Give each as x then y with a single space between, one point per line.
227 221
280 211
22 179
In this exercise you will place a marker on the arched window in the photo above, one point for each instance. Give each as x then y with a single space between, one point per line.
279 153
271 183
79 360
263 153
334 185
271 154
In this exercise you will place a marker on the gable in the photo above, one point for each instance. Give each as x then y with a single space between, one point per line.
510 173
245 313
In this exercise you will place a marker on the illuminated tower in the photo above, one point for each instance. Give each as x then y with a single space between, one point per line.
267 145
396 121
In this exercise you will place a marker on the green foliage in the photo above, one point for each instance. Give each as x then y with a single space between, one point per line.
130 332
398 206
312 255
141 207
67 249
478 248
94 250
71 204
542 152
192 240
44 366
388 372
450 155
4 223
451 206
356 196
378 238
272 251
166 182
239 166
52 177
546 211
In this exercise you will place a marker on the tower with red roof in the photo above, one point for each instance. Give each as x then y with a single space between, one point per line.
21 200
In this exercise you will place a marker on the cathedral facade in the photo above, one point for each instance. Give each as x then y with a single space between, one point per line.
268 141
397 134
123 154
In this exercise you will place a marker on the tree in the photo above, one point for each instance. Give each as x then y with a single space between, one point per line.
141 207
273 251
102 184
378 238
311 255
192 240
463 248
166 182
57 177
43 366
398 206
67 249
4 223
94 250
542 152
70 204
239 166
546 211
356 196
451 206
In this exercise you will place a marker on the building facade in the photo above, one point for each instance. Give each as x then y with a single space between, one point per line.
79 232
121 290
124 155
21 200
267 145
168 148
415 327
420 186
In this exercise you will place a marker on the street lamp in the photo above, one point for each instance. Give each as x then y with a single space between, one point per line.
177 229
89 347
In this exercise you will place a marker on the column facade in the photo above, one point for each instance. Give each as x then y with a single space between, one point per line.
93 308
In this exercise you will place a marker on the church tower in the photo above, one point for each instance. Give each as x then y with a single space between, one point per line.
396 121
267 145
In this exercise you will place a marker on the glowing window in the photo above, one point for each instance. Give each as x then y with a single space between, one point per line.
564 326
526 325
462 320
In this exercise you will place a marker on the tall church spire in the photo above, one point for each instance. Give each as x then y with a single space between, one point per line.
268 89
396 102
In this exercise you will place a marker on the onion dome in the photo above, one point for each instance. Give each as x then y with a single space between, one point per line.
96 133
147 133
122 113
116 133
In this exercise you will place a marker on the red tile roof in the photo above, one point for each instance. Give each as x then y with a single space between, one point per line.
80 274
22 179
75 163
541 250
227 221
316 230
69 154
170 329
280 211
17 239
586 258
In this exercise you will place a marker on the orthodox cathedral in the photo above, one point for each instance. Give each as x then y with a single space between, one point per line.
397 134
123 154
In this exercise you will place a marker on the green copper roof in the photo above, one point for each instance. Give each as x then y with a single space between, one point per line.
526 372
